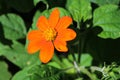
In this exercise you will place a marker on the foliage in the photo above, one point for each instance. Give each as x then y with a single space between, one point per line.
4 70
93 55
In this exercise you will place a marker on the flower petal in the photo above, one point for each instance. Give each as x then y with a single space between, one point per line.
63 23
34 34
67 34
46 52
60 45
33 47
42 23
54 17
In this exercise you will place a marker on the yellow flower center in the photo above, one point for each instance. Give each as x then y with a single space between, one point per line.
50 34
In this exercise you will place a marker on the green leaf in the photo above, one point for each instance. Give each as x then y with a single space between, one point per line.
79 9
2 47
108 18
104 2
62 62
86 60
22 75
13 26
116 69
79 79
37 1
63 12
39 72
21 5
18 55
35 18
54 64
45 72
4 73
67 63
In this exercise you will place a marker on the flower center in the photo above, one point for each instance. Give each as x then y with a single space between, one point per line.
50 34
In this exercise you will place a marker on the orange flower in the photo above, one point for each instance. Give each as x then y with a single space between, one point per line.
52 32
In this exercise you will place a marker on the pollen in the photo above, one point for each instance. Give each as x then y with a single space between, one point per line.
50 34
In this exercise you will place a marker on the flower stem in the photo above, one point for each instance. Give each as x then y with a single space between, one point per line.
76 67
82 37
84 70
79 51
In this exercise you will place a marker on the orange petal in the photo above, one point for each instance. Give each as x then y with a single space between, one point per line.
33 46
42 23
60 45
64 22
67 34
54 17
34 34
46 52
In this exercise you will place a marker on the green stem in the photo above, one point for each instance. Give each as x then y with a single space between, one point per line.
80 40
79 50
72 52
84 70
74 62
81 44
95 68
76 67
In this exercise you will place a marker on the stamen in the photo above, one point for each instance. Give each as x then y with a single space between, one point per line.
50 34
